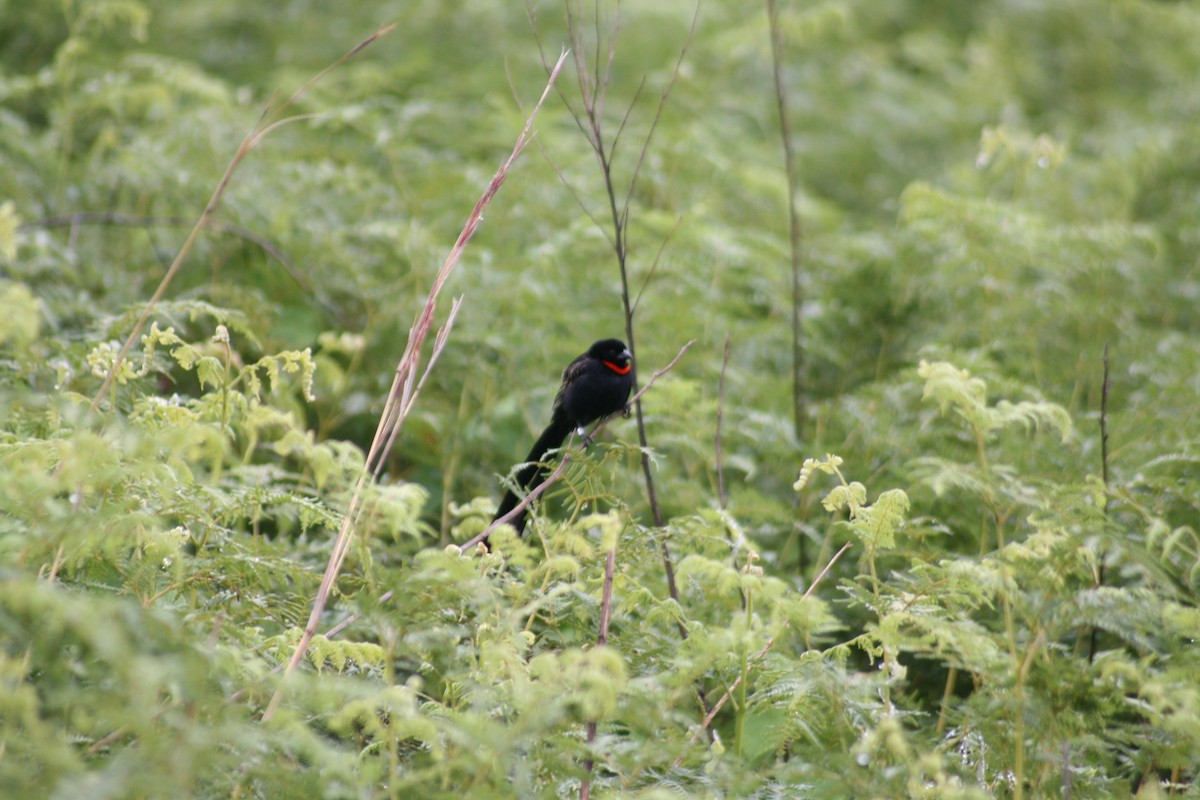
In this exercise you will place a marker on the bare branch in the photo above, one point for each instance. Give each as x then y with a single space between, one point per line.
794 233
594 90
333 632
610 564
721 496
662 103
637 93
1104 389
532 495
662 246
658 373
537 38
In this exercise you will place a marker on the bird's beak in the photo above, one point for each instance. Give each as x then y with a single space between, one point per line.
628 356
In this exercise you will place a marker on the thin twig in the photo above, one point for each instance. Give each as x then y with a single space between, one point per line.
620 220
654 264
662 103
766 648
658 373
616 140
722 499
794 231
606 597
404 392
593 89
1104 433
578 119
101 744
610 567
352 618
1104 476
56 566
570 187
530 496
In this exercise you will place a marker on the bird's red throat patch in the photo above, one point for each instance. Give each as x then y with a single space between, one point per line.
618 369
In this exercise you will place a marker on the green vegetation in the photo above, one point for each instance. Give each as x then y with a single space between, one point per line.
940 581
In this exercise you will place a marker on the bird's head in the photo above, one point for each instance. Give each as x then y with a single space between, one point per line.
613 353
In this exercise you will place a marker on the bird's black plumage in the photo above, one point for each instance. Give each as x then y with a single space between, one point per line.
594 385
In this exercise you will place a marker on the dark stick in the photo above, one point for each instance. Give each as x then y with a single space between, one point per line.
610 566
794 232
721 496
1104 430
1104 475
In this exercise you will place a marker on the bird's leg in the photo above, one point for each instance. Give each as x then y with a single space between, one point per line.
583 434
626 411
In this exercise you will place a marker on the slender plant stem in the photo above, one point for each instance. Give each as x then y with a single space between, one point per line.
1104 476
722 498
740 725
610 567
947 693
887 653
799 410
1019 716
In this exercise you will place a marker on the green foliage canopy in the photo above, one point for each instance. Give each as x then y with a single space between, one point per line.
991 193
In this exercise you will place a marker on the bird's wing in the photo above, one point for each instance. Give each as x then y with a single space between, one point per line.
573 371
571 374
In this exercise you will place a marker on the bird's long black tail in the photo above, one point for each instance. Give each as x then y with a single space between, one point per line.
532 473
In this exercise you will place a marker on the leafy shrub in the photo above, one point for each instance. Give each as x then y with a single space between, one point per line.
989 590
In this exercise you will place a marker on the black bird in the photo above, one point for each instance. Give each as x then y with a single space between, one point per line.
594 386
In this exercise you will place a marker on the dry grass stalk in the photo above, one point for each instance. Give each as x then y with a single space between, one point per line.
405 389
